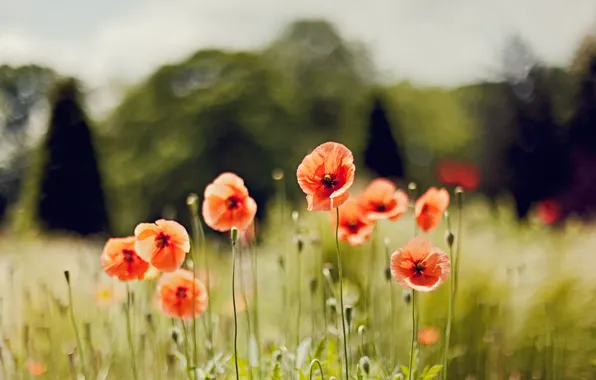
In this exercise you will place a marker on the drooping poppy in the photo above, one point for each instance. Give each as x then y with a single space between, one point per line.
354 228
382 200
164 244
181 295
120 259
227 204
325 175
428 335
430 207
419 265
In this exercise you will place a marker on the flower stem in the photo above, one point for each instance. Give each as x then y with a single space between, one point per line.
391 306
74 324
414 333
131 346
245 300
299 291
186 350
341 295
312 365
234 305
255 285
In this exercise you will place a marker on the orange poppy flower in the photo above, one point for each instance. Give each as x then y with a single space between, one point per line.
354 228
430 207
179 292
382 200
120 259
428 335
227 204
325 175
36 368
164 244
419 265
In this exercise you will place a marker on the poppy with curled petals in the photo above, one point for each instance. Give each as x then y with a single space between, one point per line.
325 175
181 295
419 265
227 204
382 200
430 207
120 259
354 228
164 244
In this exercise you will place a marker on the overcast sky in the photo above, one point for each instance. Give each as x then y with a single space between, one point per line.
444 42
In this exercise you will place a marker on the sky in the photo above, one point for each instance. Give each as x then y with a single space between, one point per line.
431 42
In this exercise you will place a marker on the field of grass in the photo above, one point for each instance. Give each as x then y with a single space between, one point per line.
525 306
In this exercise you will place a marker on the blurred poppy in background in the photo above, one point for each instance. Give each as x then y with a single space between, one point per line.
458 173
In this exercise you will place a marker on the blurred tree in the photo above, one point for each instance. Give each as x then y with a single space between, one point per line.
189 122
382 154
23 92
524 149
327 81
69 195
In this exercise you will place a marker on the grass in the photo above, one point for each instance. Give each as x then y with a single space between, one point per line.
524 308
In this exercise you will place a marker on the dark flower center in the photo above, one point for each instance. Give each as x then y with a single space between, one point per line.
162 240
128 255
181 292
353 227
329 181
381 207
232 203
419 267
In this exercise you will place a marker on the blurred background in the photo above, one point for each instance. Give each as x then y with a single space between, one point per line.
112 112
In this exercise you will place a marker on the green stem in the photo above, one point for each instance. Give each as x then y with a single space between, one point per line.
392 309
245 299
131 346
414 333
341 295
449 317
299 291
186 349
234 305
255 275
310 369
74 325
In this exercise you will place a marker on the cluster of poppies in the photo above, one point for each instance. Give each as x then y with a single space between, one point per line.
326 175
162 246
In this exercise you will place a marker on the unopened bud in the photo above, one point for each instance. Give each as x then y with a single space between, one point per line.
277 174
281 262
349 315
234 235
412 186
449 238
361 330
175 335
407 296
295 216
332 304
299 244
365 364
388 274
192 201
67 276
313 285
459 191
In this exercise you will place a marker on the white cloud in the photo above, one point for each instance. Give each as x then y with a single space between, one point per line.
428 41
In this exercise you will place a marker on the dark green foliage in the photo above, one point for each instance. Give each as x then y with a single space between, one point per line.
71 195
382 154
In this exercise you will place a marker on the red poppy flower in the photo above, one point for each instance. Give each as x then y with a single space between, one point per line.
325 175
548 211
419 265
227 204
430 207
180 295
119 259
354 228
164 244
382 200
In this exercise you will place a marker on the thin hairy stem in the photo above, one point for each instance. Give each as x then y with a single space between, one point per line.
341 295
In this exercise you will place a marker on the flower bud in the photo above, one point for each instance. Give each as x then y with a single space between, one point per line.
407 296
349 315
67 276
281 262
313 285
192 201
388 274
361 330
234 235
295 216
365 364
299 243
449 238
277 174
